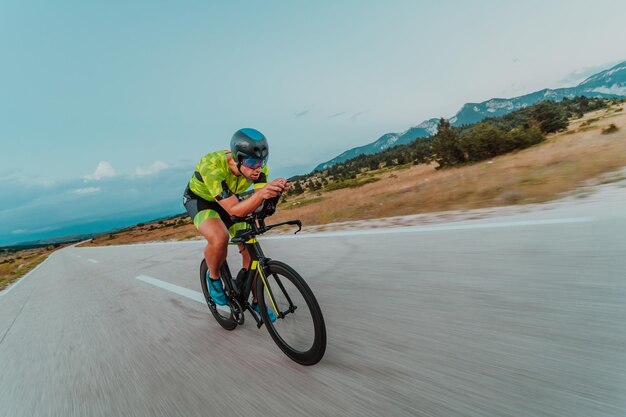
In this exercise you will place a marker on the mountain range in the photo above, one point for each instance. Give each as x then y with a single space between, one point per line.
608 83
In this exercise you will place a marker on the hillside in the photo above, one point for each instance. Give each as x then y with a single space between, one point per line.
605 84
562 164
587 150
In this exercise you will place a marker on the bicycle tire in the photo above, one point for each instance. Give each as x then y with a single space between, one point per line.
222 314
305 349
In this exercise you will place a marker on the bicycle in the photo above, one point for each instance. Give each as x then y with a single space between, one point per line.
302 335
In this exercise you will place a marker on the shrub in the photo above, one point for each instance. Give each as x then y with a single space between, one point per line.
341 184
551 116
523 138
610 129
350 183
482 141
588 122
367 181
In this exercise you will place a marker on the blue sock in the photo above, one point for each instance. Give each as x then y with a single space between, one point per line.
208 276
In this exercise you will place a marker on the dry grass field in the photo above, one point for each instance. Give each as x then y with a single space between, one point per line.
177 228
561 164
16 264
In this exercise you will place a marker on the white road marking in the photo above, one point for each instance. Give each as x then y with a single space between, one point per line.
93 261
185 292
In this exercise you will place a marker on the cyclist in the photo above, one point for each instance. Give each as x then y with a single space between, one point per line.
211 198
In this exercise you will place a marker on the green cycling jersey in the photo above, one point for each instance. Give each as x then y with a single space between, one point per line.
213 180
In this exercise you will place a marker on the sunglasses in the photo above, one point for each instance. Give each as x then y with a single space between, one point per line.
252 162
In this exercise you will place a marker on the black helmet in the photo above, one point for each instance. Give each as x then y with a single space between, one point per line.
249 145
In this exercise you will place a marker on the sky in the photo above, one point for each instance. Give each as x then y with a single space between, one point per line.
106 107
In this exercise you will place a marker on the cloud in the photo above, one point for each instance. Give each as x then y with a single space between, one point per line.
153 169
41 230
83 191
356 115
11 176
614 89
20 177
71 206
576 77
332 116
302 113
104 170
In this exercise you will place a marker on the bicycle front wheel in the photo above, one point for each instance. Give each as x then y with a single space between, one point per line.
299 329
224 315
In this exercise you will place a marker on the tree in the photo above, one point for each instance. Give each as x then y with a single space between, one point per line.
445 146
482 141
551 116
520 138
297 188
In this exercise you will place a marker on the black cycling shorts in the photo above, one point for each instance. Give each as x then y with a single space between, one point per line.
200 209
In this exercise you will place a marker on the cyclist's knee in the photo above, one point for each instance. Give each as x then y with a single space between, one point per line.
214 231
217 239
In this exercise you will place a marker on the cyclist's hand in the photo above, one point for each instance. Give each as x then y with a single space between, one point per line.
270 190
280 182
287 186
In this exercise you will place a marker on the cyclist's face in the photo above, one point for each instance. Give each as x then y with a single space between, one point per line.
251 173
252 162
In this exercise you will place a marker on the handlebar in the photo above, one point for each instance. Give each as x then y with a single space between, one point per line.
266 209
256 220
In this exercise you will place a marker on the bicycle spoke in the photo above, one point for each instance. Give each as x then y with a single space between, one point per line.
280 284
296 328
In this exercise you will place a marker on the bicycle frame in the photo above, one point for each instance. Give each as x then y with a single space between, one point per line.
275 274
256 268
258 261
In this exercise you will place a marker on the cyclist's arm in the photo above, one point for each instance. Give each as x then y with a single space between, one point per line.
234 207
215 181
284 184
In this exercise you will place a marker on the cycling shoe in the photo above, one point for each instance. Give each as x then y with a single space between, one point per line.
217 291
270 313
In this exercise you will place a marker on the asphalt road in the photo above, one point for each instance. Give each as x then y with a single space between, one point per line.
522 315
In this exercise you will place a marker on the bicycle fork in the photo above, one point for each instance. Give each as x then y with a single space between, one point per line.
259 268
261 272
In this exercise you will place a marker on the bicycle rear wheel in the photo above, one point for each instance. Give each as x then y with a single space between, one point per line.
299 330
223 314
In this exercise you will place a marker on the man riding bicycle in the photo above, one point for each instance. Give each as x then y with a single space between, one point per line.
211 198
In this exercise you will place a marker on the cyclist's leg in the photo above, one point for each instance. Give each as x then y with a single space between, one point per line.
245 256
245 261
232 231
209 219
214 231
